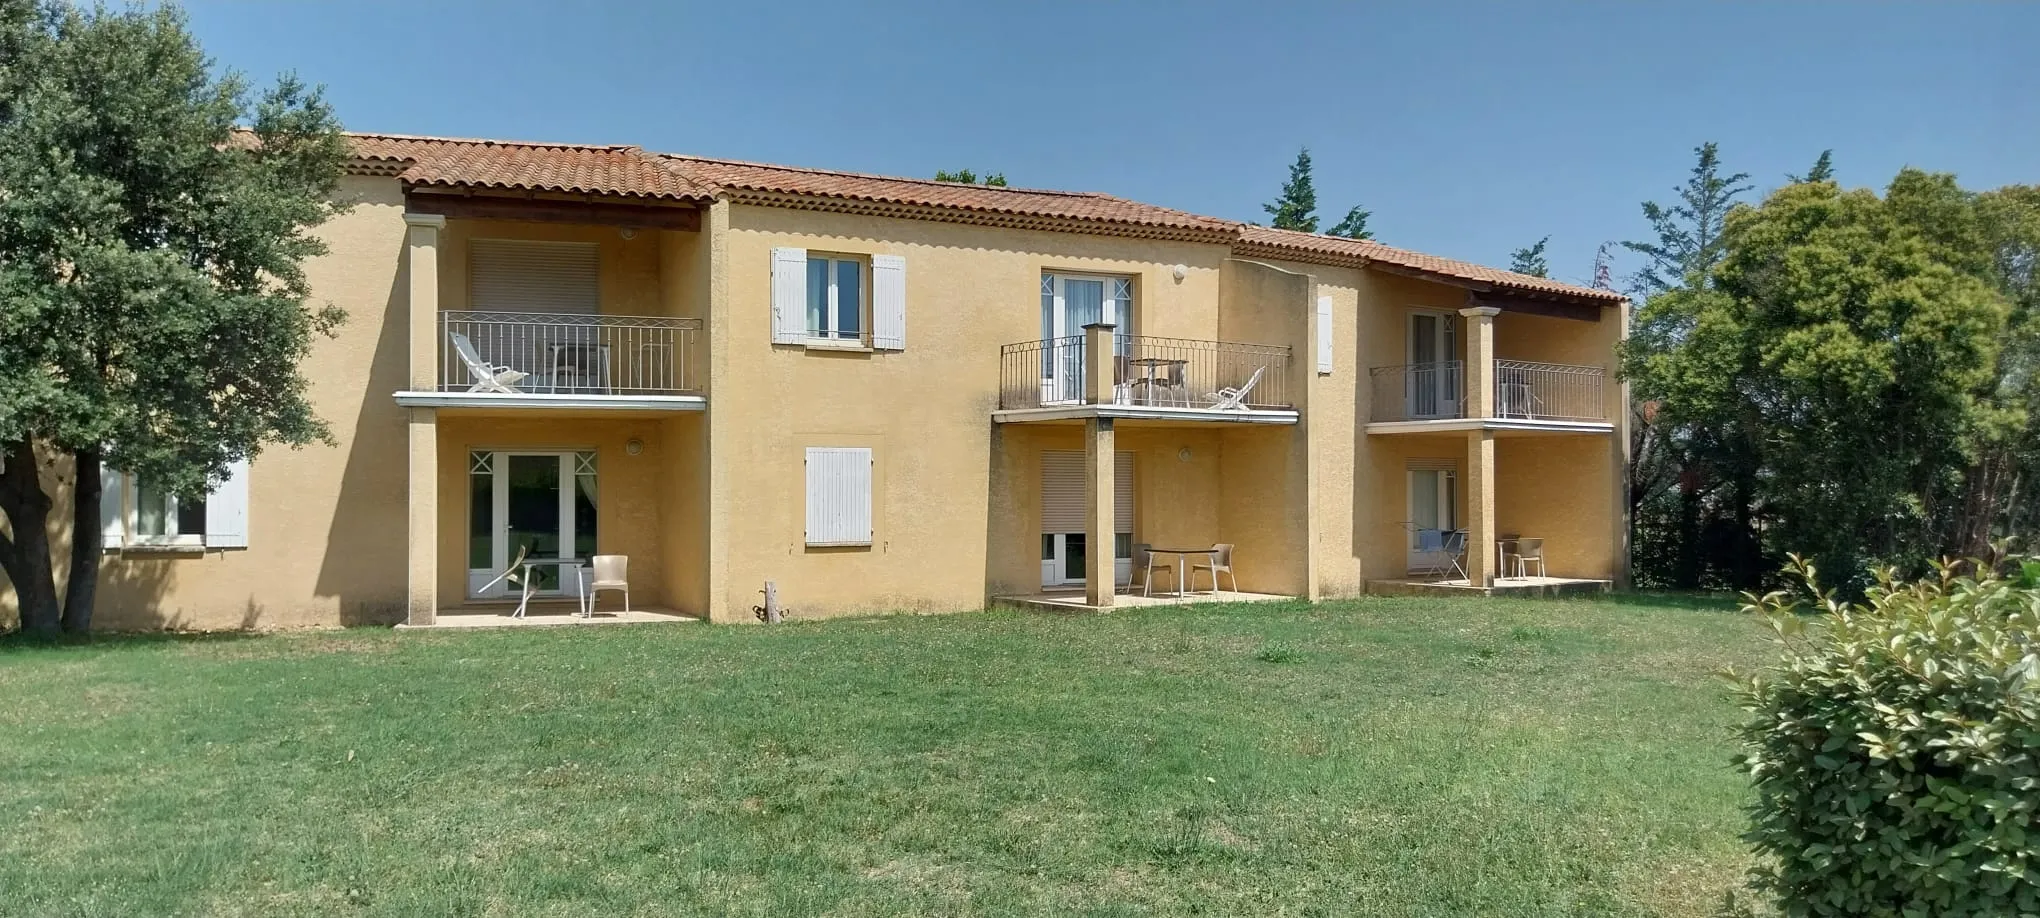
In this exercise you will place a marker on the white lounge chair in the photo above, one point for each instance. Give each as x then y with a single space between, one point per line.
487 377
610 572
1230 399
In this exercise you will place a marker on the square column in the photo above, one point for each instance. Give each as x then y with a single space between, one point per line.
1098 361
422 247
422 529
1100 581
1480 507
1480 360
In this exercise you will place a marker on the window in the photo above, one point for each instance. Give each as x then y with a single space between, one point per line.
136 513
164 518
835 297
838 496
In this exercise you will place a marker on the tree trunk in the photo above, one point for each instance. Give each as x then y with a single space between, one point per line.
25 552
1686 575
1748 548
88 541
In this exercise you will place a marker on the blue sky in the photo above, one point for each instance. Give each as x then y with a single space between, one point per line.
1469 129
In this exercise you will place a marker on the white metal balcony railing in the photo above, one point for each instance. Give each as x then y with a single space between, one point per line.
566 353
1523 390
1148 371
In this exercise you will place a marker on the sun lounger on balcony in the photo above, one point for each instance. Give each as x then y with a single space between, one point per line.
487 377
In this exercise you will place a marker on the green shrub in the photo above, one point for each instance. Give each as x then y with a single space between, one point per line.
1894 748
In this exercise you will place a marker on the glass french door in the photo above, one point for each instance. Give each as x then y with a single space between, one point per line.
530 503
1068 303
1431 381
1434 497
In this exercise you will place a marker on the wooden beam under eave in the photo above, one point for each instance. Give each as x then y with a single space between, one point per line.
544 210
1556 309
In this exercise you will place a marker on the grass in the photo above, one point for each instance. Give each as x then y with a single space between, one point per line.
1385 756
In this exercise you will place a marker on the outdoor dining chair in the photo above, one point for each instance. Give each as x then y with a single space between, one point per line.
1528 551
1144 567
1220 563
608 572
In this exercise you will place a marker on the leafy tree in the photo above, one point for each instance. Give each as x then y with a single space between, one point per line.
1842 340
1354 226
1713 513
1296 207
1823 169
1530 260
153 304
967 177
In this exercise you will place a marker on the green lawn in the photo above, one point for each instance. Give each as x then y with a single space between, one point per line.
1385 756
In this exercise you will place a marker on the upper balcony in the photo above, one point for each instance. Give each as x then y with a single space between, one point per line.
1166 379
1527 395
567 357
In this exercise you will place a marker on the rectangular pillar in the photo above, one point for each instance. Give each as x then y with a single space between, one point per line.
422 531
1480 507
1098 363
1100 581
423 251
1480 360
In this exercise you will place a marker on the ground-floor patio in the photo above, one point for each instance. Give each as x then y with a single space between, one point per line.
1066 600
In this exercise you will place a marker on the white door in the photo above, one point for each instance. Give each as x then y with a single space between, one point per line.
1433 498
539 503
1431 381
1068 303
1063 548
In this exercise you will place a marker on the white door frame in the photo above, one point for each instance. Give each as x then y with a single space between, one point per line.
1065 357
499 518
1446 508
1430 392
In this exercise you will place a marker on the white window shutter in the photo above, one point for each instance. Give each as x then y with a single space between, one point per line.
1062 491
226 510
838 496
112 505
789 296
889 302
1324 334
1122 492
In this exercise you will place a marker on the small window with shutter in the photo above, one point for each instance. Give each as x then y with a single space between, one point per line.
136 513
838 496
826 299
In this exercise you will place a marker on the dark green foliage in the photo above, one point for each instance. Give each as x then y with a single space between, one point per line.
1896 749
153 304
1689 232
967 177
1530 260
1828 371
1823 169
1296 207
1353 225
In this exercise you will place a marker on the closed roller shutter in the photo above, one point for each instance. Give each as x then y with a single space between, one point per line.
516 275
1062 491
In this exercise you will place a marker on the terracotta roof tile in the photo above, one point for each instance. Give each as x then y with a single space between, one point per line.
1365 250
573 168
1027 202
631 172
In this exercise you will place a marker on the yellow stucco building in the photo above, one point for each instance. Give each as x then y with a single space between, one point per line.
880 394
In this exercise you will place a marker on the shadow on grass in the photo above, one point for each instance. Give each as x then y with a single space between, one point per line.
18 642
1673 599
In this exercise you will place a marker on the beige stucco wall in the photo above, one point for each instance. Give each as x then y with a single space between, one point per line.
325 523
1558 488
925 411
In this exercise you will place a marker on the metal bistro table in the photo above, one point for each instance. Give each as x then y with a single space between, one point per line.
566 566
1183 565
1148 379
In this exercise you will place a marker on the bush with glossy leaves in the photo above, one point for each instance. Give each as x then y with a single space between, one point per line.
1895 748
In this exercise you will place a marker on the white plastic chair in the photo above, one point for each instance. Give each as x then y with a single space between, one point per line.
609 572
1216 563
1229 399
1144 566
487 377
